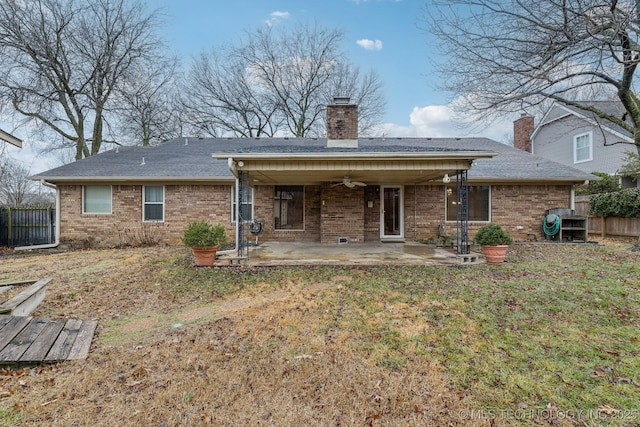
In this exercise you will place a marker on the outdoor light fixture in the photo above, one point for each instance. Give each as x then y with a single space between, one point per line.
240 164
446 178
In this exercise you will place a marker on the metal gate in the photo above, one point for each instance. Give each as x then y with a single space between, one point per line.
23 226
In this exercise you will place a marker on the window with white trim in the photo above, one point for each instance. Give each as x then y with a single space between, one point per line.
96 199
583 147
153 203
479 202
246 205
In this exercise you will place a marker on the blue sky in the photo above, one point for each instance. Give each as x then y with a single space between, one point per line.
380 35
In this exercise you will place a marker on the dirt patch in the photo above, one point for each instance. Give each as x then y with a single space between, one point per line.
195 314
318 287
139 325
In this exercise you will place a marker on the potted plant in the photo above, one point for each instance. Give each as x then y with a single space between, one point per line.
205 240
494 241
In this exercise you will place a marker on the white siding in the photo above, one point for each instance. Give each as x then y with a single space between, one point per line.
554 141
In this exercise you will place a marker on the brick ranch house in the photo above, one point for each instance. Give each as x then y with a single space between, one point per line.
310 189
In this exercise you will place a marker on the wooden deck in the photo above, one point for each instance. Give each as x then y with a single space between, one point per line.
27 300
30 340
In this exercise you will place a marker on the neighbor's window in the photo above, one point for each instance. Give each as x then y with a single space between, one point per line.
153 206
582 148
246 205
96 199
479 197
288 207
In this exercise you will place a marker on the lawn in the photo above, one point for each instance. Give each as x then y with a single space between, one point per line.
549 338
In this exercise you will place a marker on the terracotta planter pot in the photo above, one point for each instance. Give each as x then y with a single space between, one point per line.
495 254
205 256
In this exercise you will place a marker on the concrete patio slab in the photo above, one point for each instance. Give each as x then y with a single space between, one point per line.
375 253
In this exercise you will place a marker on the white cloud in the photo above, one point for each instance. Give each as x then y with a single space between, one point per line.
438 121
276 16
370 44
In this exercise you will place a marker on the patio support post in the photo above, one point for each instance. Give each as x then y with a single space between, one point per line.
462 213
240 196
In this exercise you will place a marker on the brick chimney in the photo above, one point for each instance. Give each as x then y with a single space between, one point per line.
522 130
342 124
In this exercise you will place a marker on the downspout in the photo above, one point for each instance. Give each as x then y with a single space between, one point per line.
57 225
572 203
232 168
415 212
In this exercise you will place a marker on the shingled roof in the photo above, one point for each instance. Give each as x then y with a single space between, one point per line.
612 108
192 159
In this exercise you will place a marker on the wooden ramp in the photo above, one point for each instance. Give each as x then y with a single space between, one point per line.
30 340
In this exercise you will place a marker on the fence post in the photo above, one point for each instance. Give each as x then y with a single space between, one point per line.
603 225
9 227
50 235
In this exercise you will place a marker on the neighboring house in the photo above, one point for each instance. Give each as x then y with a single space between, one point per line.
7 137
310 189
578 138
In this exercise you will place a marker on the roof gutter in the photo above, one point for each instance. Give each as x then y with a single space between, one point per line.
7 137
359 156
56 243
128 179
563 180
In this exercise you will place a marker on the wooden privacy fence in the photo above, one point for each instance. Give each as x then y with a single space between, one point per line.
613 226
24 226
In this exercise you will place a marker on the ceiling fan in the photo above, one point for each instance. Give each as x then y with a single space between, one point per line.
346 181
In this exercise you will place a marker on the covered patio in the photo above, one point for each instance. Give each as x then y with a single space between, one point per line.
358 195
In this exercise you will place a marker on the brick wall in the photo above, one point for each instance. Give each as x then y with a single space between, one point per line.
342 214
372 214
183 203
512 206
423 211
525 206
345 212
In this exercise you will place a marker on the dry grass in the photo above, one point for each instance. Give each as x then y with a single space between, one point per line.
166 357
334 346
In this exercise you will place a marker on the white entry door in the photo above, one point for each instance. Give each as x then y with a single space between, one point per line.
392 214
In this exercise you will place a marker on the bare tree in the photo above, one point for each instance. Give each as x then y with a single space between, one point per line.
147 103
513 55
15 187
278 82
221 96
63 59
364 91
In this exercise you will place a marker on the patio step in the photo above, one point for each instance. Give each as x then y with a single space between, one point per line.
235 260
467 259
